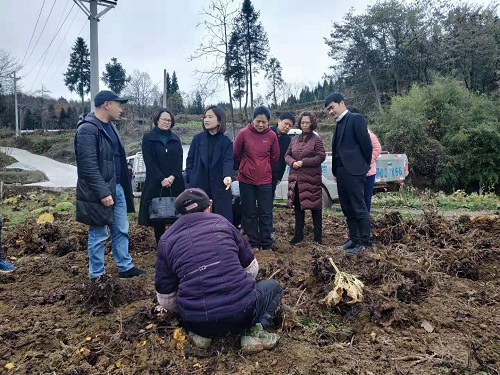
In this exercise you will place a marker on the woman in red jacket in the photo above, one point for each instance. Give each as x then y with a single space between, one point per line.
256 152
304 156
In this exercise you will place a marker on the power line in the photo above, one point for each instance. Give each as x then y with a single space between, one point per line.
44 55
47 50
33 33
36 43
55 71
60 45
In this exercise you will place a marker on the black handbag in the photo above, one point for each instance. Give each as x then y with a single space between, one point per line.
162 208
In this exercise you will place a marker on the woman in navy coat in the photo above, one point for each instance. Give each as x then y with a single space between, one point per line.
210 163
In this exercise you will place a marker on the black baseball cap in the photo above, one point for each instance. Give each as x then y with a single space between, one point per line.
107 96
192 200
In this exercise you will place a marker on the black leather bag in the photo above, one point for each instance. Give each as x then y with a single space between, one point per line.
163 208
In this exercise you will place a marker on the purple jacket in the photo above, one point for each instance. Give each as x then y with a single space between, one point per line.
202 256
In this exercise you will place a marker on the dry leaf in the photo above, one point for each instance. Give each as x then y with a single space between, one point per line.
149 326
9 366
179 346
178 335
45 218
118 364
142 343
344 282
88 338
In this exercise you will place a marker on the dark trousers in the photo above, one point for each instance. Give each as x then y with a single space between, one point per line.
370 184
300 219
268 300
2 253
159 230
351 191
257 218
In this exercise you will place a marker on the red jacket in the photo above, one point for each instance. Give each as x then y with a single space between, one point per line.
255 155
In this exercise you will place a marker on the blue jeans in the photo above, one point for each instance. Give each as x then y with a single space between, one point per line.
119 239
257 219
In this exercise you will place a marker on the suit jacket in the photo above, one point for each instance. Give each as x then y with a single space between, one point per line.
284 141
352 145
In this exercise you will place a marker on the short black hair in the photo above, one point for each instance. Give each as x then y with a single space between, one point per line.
221 117
288 116
157 115
335 97
262 110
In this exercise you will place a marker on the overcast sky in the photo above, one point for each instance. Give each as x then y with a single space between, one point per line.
152 35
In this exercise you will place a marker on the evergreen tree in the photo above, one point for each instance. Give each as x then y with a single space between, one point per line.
28 122
77 77
62 118
236 70
168 86
175 85
254 41
115 76
273 74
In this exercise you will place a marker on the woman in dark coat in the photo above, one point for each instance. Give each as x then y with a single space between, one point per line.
162 153
304 156
210 162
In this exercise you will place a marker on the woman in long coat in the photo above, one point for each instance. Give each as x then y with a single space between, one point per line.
162 153
210 162
304 156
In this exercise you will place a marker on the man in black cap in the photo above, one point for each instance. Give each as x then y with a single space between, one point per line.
103 190
205 270
351 157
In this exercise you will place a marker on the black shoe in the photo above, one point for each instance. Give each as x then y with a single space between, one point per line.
133 272
269 248
349 244
296 240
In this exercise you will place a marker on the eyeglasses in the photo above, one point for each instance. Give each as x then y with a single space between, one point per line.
167 120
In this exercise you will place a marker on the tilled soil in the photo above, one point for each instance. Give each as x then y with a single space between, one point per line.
431 304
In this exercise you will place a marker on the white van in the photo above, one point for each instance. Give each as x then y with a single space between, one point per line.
390 168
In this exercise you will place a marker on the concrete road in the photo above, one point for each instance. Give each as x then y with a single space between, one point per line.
59 174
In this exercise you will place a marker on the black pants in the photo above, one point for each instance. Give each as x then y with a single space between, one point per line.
159 230
268 300
257 214
351 191
300 219
2 253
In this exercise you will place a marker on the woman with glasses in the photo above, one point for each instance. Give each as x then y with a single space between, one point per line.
210 162
304 156
162 153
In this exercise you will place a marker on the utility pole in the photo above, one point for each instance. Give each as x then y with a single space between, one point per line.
94 17
164 88
18 130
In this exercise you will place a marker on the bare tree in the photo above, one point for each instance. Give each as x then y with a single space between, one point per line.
217 23
141 91
8 65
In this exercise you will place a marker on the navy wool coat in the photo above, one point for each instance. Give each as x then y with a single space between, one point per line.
209 177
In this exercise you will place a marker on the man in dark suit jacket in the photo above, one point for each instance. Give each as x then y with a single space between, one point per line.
351 157
287 120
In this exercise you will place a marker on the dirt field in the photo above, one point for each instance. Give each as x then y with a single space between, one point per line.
431 304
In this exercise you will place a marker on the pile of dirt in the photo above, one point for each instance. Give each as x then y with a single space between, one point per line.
431 304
